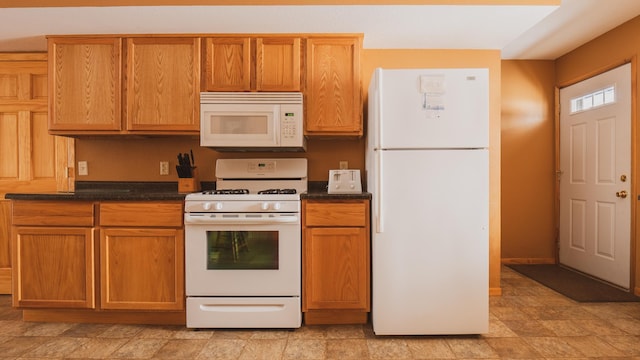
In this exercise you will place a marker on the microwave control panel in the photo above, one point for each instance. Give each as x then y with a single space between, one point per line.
290 123
289 126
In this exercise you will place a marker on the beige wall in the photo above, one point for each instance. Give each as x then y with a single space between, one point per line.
616 47
139 159
528 170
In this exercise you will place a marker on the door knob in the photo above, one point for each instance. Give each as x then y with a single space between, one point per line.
621 194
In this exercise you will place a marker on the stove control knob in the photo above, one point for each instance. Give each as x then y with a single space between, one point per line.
277 206
264 206
219 206
206 206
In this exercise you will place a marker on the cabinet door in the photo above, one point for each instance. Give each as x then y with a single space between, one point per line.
53 267
142 269
278 64
5 248
85 84
163 84
335 269
333 100
227 64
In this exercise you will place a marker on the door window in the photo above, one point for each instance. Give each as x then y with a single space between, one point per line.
593 99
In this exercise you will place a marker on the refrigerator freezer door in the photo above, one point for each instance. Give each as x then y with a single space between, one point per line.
431 108
431 260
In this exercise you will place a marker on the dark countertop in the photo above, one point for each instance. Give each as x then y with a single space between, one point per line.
108 190
156 191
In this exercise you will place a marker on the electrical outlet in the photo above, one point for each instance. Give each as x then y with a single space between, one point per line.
83 168
164 168
344 164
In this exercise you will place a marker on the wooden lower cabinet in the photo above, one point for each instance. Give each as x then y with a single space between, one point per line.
141 255
336 270
53 267
142 269
53 254
5 247
112 262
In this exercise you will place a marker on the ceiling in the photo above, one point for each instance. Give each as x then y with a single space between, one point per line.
520 31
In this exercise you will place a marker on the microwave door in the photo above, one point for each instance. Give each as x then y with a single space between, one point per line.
240 128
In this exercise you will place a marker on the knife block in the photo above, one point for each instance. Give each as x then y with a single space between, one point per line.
189 185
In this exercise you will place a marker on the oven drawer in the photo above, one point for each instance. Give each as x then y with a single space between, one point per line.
243 312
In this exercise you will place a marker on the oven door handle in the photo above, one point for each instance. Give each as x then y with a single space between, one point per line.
203 219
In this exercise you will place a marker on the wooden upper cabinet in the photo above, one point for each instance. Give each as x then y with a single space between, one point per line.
278 64
227 64
332 98
85 83
163 84
252 64
88 91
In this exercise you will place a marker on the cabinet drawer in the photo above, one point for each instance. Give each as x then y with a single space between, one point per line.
52 213
336 214
163 214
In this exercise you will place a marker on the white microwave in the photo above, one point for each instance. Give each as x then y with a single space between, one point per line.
252 121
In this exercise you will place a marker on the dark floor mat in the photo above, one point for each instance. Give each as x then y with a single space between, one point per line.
573 284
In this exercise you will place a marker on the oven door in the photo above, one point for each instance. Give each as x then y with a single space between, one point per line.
242 255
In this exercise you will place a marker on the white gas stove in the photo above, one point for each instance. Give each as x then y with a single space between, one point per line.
243 245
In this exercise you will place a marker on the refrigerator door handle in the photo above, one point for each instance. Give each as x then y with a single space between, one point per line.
377 113
378 193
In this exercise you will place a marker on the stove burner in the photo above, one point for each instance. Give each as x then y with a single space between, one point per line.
227 191
277 191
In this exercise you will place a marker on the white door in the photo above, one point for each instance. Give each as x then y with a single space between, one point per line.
595 180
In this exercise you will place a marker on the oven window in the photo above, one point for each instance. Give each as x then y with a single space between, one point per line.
250 250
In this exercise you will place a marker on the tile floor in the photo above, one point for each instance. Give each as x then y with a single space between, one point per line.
528 322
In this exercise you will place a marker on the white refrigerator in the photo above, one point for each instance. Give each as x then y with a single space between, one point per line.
427 165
